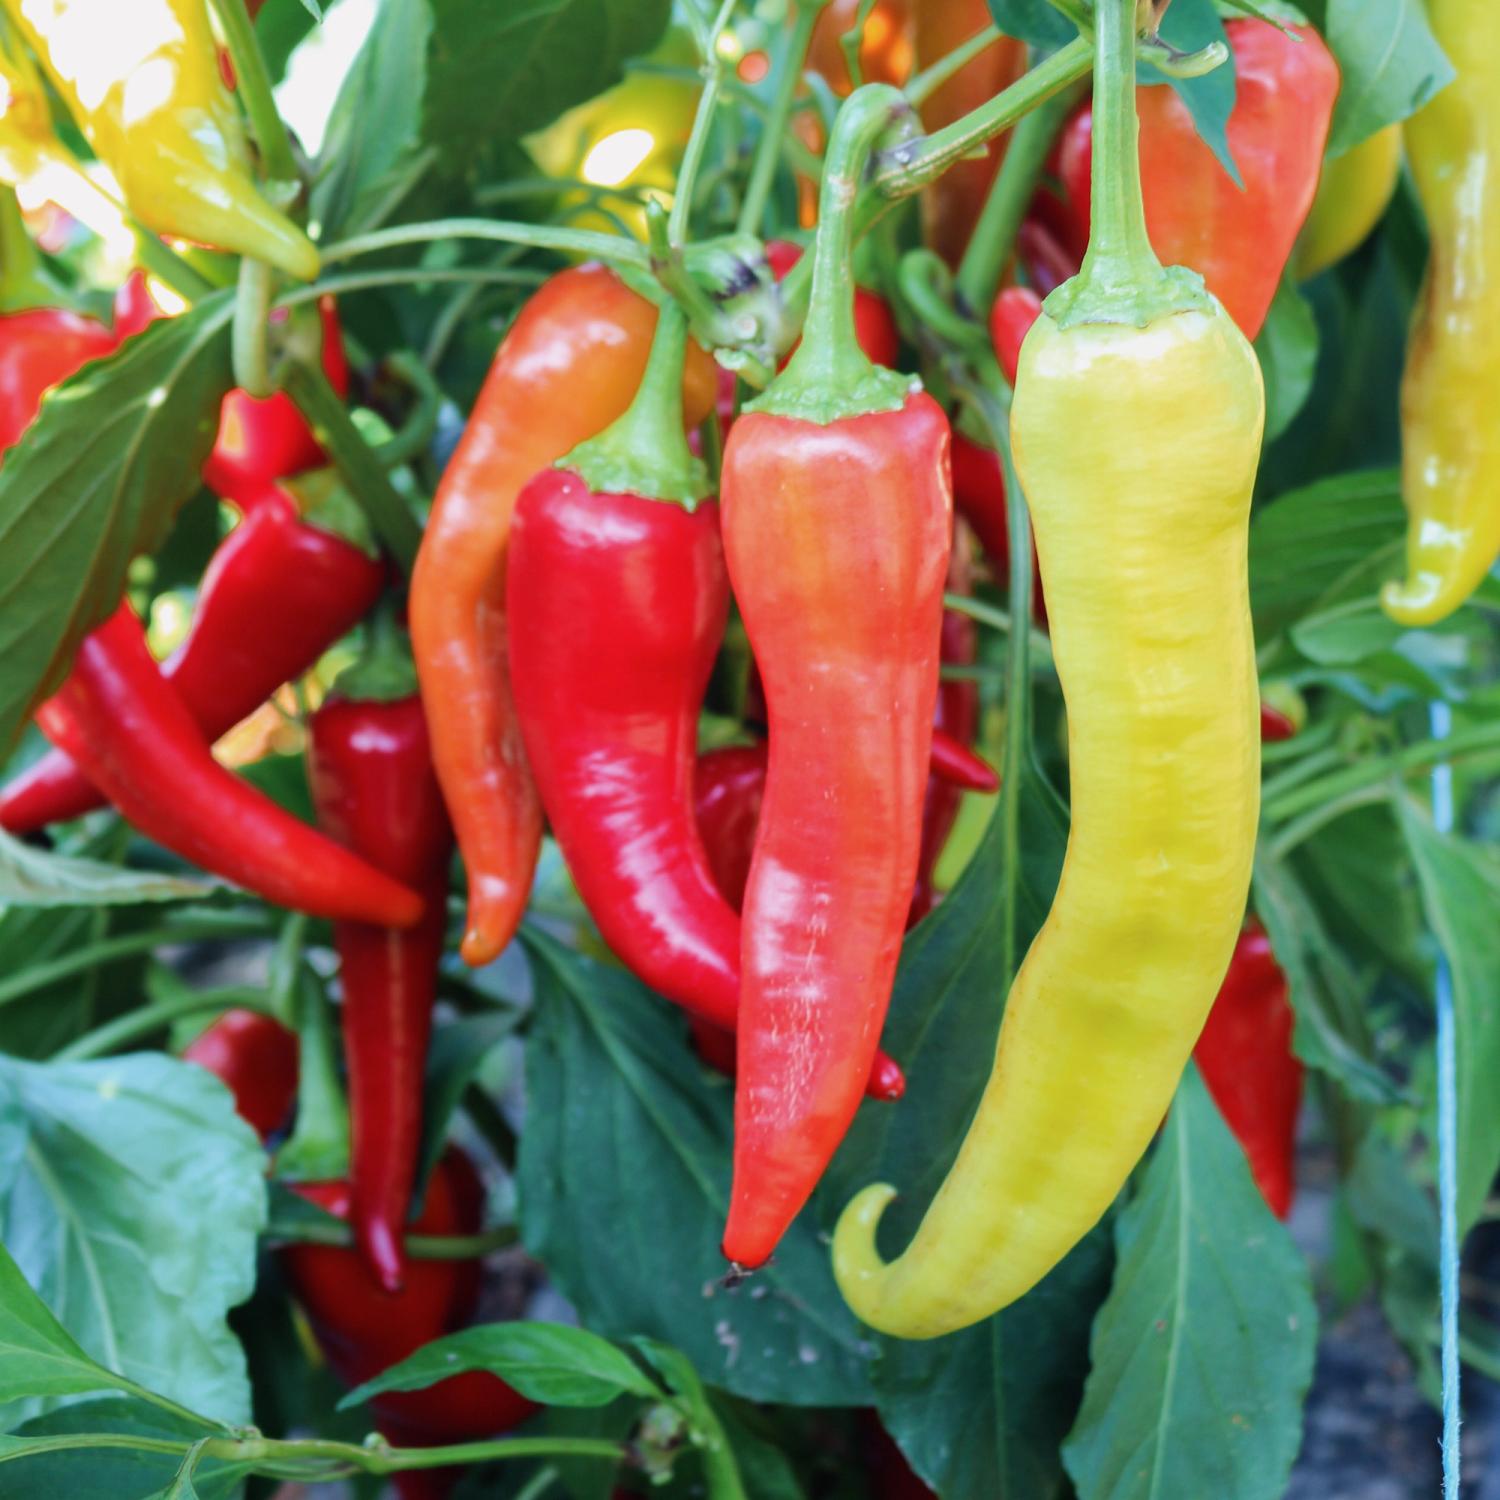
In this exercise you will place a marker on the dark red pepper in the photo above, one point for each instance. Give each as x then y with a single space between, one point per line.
1275 725
369 763
255 1057
39 349
1245 1055
125 728
277 593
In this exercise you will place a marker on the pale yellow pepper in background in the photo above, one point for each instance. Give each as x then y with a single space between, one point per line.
1450 397
1353 194
141 79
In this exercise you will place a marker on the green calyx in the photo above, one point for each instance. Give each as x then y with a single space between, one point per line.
830 377
645 452
1121 280
325 501
384 671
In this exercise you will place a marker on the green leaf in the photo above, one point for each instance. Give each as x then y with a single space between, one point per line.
1359 635
1288 349
96 480
35 878
279 27
131 1195
457 1053
1034 21
1460 884
1390 64
628 1138
550 1363
1306 544
38 1356
498 72
1203 1351
113 1473
1190 25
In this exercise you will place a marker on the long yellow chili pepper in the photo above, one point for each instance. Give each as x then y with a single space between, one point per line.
1136 429
1353 193
141 78
1450 428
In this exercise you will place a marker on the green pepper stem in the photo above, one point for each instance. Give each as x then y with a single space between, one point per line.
921 88
254 87
830 377
645 452
146 1019
708 102
384 671
318 1150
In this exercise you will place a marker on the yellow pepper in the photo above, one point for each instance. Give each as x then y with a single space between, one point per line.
141 78
1450 429
1353 193
1136 430
27 141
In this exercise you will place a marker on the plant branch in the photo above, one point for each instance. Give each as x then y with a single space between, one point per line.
254 87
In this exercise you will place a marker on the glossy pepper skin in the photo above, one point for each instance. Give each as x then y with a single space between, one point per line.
130 734
1450 451
951 206
369 764
277 593
255 1058
567 368
619 605
1136 430
141 79
1246 1058
1238 239
837 538
1353 194
363 1329
39 349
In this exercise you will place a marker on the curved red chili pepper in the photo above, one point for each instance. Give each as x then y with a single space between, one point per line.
369 764
255 1057
618 606
121 722
1240 239
276 595
38 350
849 657
1245 1054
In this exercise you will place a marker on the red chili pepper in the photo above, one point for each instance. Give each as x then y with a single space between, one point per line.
259 440
363 1329
1275 725
369 764
1240 239
39 349
1245 1053
121 722
617 605
276 594
255 1057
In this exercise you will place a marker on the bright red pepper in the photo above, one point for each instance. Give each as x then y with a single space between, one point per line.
255 1057
369 763
1240 239
259 440
363 1329
1275 725
39 349
1245 1054
277 593
125 728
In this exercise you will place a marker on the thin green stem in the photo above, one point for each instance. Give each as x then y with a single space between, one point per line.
421 1246
614 249
1299 830
318 1150
539 1483
142 1022
415 433
852 40
769 148
1010 195
386 1460
389 514
931 79
252 305
253 84
692 156
168 267
34 1447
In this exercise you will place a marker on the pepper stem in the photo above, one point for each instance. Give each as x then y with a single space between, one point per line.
645 451
384 671
318 1150
830 377
1121 280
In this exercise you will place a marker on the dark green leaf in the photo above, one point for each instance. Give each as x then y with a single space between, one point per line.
547 1362
33 877
1288 350
1203 1351
131 1195
498 72
1460 884
1390 64
627 1147
1306 544
1034 21
457 1053
280 25
96 480
1190 25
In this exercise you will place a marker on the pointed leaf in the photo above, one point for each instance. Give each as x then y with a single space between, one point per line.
38 1356
36 877
1390 64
